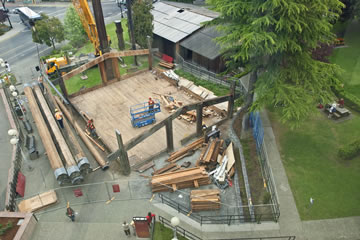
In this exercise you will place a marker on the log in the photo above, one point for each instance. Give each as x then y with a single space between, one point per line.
99 159
164 169
80 157
53 155
93 140
71 166
184 150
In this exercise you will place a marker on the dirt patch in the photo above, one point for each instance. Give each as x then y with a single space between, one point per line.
11 232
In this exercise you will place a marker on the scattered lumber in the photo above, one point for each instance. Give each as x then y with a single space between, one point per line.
168 167
209 155
192 177
166 64
145 167
231 158
183 151
202 200
38 202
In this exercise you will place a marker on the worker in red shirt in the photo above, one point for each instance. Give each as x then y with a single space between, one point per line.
151 104
149 217
90 126
59 117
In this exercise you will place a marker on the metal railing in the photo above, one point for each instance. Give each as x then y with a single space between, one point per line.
258 133
228 219
268 238
207 75
179 230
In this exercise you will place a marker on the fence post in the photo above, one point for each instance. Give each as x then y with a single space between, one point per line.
229 221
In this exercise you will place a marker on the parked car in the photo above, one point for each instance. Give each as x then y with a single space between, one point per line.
15 11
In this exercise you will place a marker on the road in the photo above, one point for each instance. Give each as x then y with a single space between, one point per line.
21 52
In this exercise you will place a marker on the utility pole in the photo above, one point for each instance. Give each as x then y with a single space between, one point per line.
131 28
104 44
6 14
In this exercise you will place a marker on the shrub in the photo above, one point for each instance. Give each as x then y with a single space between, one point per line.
350 151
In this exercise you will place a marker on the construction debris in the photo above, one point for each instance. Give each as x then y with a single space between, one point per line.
202 200
175 156
146 166
165 169
192 177
166 64
38 202
210 153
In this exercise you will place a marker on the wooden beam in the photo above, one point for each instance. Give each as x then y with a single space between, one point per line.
115 67
103 72
127 53
169 136
199 124
123 158
150 56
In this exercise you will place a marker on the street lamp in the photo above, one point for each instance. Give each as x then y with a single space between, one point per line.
175 222
14 141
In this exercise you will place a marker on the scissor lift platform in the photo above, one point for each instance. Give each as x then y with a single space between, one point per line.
142 114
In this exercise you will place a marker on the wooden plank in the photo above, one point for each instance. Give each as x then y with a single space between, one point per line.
93 141
38 202
146 166
164 169
231 158
196 183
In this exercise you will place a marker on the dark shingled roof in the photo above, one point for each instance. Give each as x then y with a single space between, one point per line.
203 43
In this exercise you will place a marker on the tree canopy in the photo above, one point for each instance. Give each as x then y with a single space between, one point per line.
74 30
275 39
48 30
143 21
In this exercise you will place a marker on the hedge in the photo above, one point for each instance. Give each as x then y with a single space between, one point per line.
350 151
350 100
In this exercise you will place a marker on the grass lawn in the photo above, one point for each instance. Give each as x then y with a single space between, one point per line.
75 83
163 233
349 58
309 155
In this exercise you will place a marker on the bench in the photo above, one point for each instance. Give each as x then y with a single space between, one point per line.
339 113
30 145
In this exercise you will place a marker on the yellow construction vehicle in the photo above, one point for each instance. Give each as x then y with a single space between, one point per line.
50 64
88 22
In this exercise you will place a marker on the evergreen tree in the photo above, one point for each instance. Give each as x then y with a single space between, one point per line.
275 39
74 30
48 31
142 19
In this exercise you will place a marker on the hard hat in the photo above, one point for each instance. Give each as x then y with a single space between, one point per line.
56 110
149 98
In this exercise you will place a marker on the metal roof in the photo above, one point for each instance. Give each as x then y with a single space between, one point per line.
29 13
174 23
203 43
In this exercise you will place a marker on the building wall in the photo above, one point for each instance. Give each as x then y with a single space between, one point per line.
165 46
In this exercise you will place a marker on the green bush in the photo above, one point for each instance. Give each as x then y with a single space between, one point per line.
350 151
350 100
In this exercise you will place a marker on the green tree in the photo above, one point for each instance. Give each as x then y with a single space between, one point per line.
143 21
74 30
275 39
48 30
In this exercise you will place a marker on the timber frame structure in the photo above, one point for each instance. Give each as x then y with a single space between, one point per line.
121 154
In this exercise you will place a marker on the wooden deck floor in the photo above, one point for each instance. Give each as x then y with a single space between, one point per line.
109 107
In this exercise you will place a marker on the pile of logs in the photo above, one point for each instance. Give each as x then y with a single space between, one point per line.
183 152
210 153
202 200
192 177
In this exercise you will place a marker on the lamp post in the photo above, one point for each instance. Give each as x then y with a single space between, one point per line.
14 141
175 222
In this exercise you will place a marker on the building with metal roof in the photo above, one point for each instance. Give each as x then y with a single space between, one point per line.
173 24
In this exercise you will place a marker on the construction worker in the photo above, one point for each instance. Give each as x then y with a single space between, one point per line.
7 67
59 117
151 104
70 212
90 126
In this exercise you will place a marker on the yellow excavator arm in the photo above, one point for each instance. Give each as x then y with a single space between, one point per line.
87 20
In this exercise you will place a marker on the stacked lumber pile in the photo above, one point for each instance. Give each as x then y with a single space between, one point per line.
210 153
166 64
183 152
192 177
38 202
226 167
202 200
172 167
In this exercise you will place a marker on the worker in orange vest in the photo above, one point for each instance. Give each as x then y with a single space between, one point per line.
59 117
151 104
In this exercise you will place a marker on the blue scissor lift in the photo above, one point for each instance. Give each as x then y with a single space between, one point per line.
142 114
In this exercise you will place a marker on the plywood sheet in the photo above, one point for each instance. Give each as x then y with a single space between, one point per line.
39 201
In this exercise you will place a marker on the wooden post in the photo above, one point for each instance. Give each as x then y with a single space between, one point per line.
62 84
120 35
150 57
230 109
103 72
169 135
123 158
199 124
116 68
